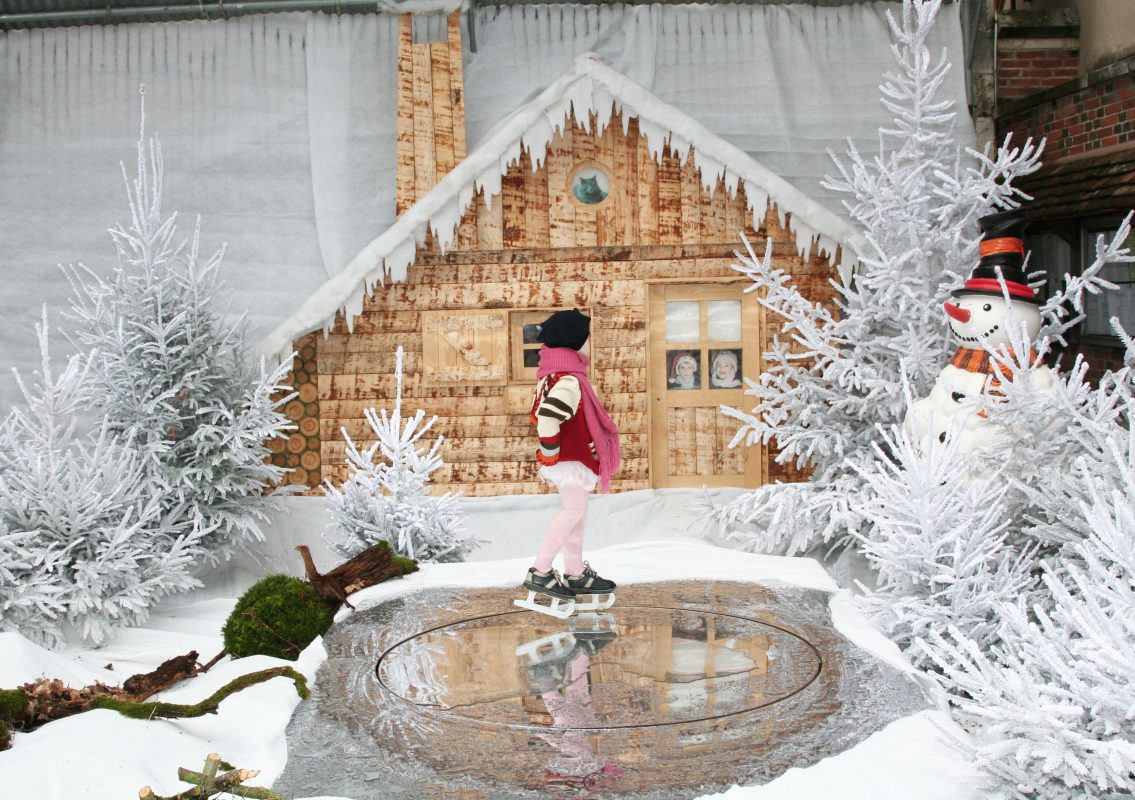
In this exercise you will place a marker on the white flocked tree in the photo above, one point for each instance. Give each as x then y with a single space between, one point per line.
82 540
170 373
385 498
833 374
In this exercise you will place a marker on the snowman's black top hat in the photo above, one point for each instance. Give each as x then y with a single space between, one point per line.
1002 254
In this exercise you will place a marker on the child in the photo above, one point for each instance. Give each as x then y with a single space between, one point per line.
724 372
579 446
684 372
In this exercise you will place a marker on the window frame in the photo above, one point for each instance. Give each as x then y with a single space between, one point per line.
1089 230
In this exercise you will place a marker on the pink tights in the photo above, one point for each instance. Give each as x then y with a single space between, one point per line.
565 532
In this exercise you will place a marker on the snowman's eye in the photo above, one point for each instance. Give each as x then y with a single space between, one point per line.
987 307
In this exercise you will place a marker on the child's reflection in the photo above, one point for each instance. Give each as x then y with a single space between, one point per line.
565 688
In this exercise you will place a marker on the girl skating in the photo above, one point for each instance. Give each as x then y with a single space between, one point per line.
578 447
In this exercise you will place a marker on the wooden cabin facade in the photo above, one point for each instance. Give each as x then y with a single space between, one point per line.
641 244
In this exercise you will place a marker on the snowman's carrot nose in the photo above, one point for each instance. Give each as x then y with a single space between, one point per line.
957 312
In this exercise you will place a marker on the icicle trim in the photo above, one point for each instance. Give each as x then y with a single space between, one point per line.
590 86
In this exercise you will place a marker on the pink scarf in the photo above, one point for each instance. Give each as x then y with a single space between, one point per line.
564 360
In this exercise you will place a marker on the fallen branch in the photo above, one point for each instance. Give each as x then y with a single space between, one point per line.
209 705
35 704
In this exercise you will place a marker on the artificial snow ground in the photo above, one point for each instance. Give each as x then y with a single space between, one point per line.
648 537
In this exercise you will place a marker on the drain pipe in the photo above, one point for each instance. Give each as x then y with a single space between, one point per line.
201 10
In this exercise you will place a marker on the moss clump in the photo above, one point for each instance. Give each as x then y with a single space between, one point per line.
407 565
13 702
279 616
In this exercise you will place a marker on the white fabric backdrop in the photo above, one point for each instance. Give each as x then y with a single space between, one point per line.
279 130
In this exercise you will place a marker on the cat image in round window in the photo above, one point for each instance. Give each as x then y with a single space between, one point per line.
590 186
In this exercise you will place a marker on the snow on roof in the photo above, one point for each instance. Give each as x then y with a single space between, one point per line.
588 86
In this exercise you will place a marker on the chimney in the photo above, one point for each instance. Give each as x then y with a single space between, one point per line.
431 110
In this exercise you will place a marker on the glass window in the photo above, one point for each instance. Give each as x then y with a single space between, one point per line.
683 321
723 320
1100 308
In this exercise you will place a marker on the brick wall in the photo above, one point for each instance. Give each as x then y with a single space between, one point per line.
1021 72
1080 116
1100 358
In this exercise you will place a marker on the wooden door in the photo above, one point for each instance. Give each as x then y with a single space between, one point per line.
703 338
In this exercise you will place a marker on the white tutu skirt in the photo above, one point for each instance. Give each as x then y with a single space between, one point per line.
569 473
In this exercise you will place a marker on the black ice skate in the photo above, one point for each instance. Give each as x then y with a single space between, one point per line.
589 584
551 585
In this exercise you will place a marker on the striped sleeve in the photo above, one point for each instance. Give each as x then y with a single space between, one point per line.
557 407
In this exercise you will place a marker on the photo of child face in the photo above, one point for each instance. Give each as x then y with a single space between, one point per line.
725 369
683 369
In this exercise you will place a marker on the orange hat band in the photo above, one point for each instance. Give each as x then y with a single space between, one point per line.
1005 244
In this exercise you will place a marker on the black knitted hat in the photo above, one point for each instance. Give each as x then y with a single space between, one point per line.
1002 252
565 329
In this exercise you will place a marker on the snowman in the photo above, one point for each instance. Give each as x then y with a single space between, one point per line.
981 320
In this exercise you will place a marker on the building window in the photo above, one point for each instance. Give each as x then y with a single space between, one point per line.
524 327
1100 308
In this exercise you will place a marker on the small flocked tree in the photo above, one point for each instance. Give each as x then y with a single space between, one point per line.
170 373
82 541
386 499
1051 706
939 545
833 374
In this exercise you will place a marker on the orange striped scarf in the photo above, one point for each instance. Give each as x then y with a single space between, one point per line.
980 361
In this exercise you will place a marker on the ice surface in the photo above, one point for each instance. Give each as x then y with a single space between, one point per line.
498 742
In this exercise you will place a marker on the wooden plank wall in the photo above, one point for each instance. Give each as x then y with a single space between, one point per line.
536 247
489 447
650 202
431 110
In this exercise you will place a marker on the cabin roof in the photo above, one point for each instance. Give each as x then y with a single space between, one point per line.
588 86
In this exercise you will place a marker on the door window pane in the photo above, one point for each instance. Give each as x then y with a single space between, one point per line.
723 320
683 319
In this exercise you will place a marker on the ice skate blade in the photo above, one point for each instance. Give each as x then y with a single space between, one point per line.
593 604
546 648
560 609
592 622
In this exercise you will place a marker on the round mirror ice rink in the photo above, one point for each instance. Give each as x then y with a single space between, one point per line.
634 668
682 689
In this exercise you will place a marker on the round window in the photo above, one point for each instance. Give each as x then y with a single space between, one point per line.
591 184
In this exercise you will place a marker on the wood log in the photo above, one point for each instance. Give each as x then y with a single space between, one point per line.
372 566
139 687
